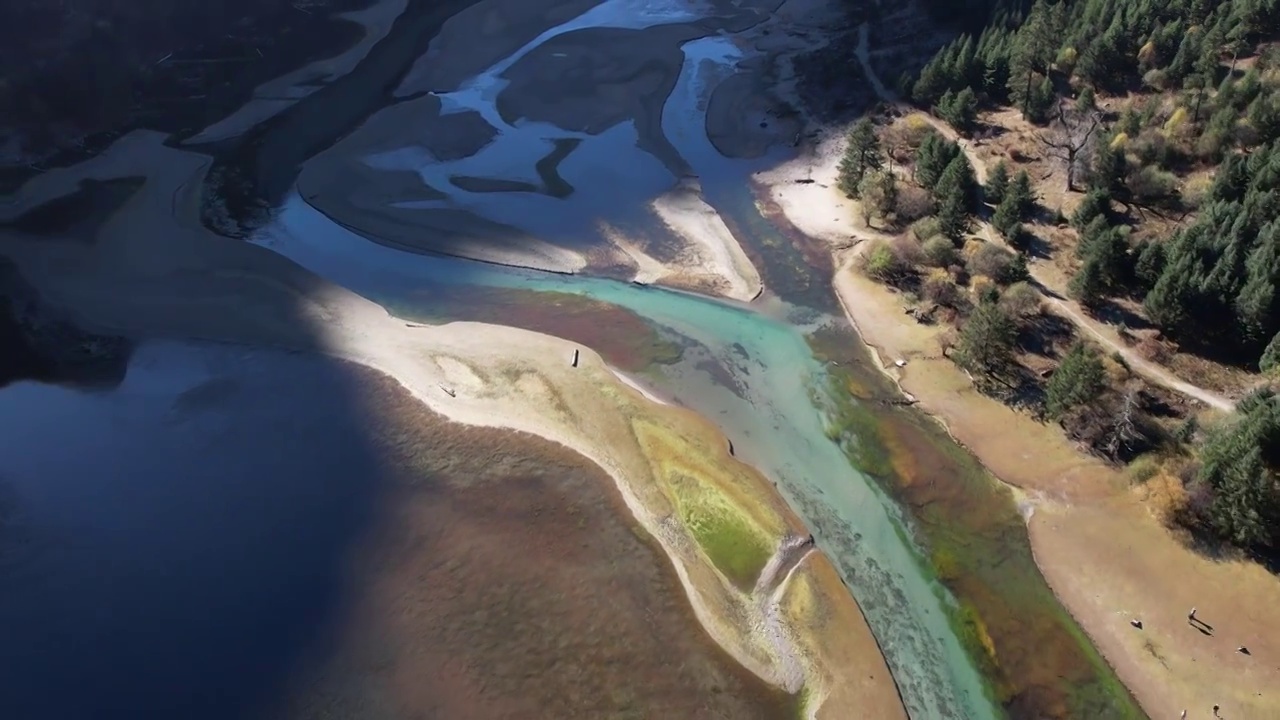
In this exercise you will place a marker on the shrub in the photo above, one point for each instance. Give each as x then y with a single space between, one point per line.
940 252
1176 122
1066 59
1156 79
890 262
907 251
995 262
879 262
981 286
1143 468
1151 184
911 131
1166 497
1151 148
1021 301
926 228
937 287
914 203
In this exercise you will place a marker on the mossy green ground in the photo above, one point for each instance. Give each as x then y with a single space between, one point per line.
734 545
735 530
1037 660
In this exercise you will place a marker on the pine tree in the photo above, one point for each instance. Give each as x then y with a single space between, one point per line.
1270 355
1088 286
1023 199
1079 380
1207 66
986 342
955 194
1085 101
861 154
1096 203
959 110
1149 265
1006 219
1237 463
953 216
1033 49
1254 310
997 183
932 158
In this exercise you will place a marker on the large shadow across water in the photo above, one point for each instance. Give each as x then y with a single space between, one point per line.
197 530
232 532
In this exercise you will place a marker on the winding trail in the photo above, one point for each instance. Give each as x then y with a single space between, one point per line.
1055 297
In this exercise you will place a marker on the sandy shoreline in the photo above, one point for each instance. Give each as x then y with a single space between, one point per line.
689 216
619 76
184 283
1081 508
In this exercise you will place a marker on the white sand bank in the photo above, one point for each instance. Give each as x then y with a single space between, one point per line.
716 250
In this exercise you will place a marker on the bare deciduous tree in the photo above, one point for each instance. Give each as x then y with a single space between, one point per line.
1124 433
1069 136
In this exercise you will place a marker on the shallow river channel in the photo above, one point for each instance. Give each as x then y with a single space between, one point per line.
758 371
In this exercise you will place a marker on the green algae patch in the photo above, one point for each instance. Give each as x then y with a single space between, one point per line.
737 548
1035 659
737 530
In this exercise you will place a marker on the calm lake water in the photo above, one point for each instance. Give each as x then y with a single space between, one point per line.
237 533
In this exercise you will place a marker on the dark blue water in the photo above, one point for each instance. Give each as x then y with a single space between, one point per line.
173 547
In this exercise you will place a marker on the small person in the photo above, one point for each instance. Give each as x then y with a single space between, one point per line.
1192 615
1136 623
1243 650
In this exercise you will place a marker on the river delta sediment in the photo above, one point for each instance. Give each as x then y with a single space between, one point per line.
728 543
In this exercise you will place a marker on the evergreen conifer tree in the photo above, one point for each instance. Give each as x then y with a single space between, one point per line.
861 154
997 183
1079 380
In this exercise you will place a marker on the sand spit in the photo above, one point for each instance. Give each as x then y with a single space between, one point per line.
710 240
153 271
1077 507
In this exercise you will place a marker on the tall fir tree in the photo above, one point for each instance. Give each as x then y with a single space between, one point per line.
1079 380
997 183
861 154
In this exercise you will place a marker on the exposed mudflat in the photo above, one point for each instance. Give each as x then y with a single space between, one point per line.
526 158
614 565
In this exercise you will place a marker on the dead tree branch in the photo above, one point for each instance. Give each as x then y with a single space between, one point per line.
1068 137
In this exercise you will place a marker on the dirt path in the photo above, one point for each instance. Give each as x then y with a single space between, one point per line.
1055 297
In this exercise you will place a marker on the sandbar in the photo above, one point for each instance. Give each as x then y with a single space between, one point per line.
154 271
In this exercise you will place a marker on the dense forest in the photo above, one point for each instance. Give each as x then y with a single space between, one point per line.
1166 117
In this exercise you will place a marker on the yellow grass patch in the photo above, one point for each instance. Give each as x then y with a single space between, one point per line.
737 532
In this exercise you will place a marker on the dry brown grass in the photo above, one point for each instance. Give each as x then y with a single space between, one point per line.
1207 373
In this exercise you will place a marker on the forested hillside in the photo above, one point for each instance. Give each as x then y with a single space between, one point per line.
1162 124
